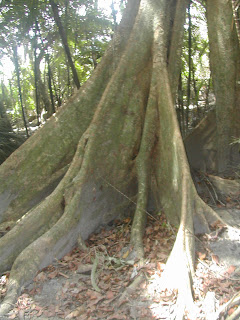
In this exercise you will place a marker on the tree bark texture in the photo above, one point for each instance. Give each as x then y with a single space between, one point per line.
225 67
116 141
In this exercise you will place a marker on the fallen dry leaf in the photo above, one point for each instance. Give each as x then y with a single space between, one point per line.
67 258
109 295
160 266
201 255
39 313
216 223
117 316
41 277
76 313
230 311
231 269
53 274
215 258
125 255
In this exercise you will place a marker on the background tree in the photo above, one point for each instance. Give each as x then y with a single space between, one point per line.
9 141
195 95
209 146
64 41
225 64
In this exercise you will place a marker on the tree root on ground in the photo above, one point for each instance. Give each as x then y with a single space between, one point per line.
144 174
41 218
93 274
131 288
234 301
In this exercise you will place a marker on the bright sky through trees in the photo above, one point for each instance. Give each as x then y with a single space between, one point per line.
105 5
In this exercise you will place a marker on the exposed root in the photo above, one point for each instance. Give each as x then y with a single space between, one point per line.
81 243
226 186
227 306
132 287
207 215
139 221
124 133
235 315
32 226
57 241
40 219
143 170
9 301
53 244
93 274
179 272
5 227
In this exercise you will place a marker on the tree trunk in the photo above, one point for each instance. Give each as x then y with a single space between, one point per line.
16 64
115 140
36 76
189 65
42 92
49 74
236 15
225 68
209 146
64 41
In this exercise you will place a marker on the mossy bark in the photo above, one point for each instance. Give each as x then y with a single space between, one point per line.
32 172
117 134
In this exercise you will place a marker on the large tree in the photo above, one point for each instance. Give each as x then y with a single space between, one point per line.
115 141
211 146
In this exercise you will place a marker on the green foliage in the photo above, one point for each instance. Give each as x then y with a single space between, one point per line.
195 87
88 32
9 141
199 48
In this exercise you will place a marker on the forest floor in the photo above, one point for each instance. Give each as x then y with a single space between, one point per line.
106 282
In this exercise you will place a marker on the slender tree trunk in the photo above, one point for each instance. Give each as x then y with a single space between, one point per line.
3 113
57 97
236 15
207 91
43 93
181 112
114 16
15 58
36 76
64 41
189 65
50 84
94 56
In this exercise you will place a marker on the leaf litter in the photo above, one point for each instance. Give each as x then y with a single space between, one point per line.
128 288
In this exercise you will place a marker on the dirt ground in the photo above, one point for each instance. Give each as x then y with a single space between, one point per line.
107 282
